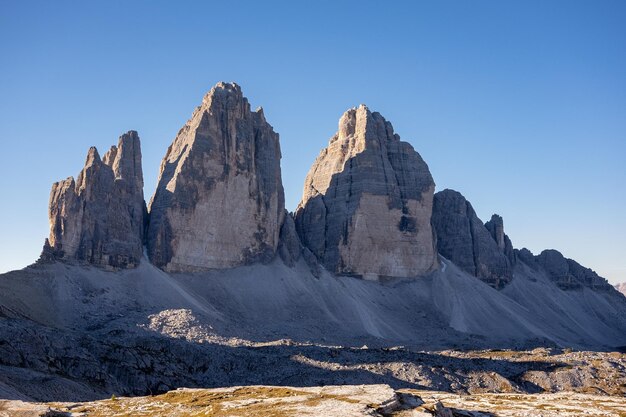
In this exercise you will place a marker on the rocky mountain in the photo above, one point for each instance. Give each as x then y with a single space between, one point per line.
569 274
99 218
482 250
219 202
367 202
496 228
621 287
485 251
234 290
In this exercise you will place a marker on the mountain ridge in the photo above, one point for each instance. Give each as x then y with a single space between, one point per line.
223 286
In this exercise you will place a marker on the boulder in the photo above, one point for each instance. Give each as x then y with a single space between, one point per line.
367 202
219 201
99 218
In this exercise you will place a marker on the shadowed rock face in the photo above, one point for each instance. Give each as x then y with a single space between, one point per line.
526 256
569 274
289 248
496 229
99 218
367 202
463 239
219 202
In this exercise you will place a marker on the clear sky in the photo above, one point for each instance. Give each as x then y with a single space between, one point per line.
520 106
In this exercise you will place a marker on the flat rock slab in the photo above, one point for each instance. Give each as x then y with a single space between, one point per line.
338 401
21 409
562 404
349 400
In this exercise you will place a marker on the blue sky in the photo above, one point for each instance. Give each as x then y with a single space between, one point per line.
521 106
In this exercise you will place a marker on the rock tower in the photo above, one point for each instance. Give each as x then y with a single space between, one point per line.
219 201
367 202
99 218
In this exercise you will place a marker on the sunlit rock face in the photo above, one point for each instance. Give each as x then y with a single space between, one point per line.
219 202
367 202
99 218
485 252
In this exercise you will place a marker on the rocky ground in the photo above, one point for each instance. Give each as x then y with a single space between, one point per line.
338 401
41 366
86 334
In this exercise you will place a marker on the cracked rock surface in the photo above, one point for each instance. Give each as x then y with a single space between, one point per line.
219 201
463 238
367 202
99 218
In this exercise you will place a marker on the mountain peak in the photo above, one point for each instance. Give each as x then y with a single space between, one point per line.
93 157
223 91
367 201
482 250
100 220
219 202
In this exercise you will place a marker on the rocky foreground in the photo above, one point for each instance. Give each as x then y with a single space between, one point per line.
337 401
86 334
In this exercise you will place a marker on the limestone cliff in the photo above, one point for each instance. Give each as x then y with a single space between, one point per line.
99 218
463 238
367 202
219 202
496 229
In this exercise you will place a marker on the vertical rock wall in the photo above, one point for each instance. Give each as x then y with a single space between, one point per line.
99 218
219 202
463 239
367 202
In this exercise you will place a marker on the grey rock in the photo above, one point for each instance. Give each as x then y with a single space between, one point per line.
496 229
463 239
141 330
569 274
100 217
48 253
219 202
441 411
526 256
367 202
312 262
555 264
289 247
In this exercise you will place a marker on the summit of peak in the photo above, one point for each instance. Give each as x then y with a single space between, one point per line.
92 156
224 89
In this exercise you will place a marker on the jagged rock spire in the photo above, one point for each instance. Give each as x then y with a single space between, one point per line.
219 202
367 202
496 229
99 218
